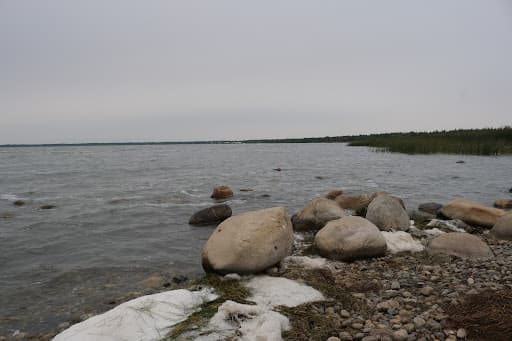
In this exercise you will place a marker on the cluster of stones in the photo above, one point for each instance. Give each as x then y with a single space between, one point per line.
409 305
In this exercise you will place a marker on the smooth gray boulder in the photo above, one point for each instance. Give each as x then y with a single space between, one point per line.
350 238
211 215
387 214
460 244
316 214
249 243
503 228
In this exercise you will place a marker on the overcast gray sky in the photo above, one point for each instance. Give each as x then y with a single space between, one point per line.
99 71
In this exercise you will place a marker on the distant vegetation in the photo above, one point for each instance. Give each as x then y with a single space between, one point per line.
489 141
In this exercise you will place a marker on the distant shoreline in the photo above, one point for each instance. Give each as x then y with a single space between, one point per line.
486 141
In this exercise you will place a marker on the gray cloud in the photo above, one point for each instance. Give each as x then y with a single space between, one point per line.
76 71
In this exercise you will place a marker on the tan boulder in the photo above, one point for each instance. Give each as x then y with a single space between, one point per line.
221 192
249 242
333 194
503 228
387 213
316 214
503 203
376 194
460 244
472 213
350 238
357 203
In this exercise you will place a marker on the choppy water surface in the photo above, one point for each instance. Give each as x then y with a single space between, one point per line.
121 211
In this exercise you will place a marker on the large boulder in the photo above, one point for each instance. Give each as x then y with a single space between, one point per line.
472 213
221 192
211 215
316 214
356 203
350 238
460 244
249 242
503 228
503 203
430 207
376 194
388 214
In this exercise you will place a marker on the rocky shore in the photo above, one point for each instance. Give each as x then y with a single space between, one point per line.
345 267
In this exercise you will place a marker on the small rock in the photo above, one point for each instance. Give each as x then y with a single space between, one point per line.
344 313
19 203
333 338
426 291
400 335
345 336
246 190
395 285
461 333
357 325
221 192
471 281
278 169
153 282
419 322
47 207
329 311
460 161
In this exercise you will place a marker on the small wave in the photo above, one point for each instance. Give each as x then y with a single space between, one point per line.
190 194
10 197
174 204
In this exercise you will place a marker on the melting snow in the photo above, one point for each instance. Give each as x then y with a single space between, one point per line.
146 318
401 241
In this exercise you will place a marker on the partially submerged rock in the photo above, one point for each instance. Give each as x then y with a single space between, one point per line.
503 203
472 213
350 238
316 214
430 207
356 203
211 215
462 245
221 192
19 203
420 216
146 318
388 214
249 242
503 228
333 194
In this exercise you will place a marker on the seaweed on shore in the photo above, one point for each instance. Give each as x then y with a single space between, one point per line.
485 316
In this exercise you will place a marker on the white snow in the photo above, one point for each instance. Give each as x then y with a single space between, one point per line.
258 322
250 322
401 241
275 291
447 224
434 232
306 262
146 318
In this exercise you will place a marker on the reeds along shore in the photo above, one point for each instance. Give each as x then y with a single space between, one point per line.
491 141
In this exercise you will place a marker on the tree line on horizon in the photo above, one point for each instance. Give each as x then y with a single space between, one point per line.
486 141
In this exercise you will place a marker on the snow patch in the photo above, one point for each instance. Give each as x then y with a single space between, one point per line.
146 318
306 262
446 224
250 322
401 241
274 291
434 232
258 322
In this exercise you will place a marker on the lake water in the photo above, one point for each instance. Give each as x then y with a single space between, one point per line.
121 211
